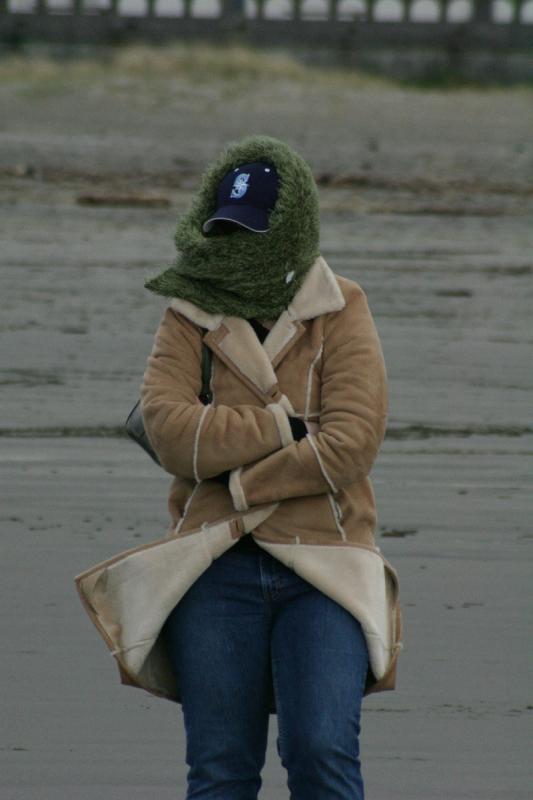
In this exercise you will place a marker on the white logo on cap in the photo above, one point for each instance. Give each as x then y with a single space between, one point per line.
240 185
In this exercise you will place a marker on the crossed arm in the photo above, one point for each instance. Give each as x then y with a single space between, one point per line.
257 451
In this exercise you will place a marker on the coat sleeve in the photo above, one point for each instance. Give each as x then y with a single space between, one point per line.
353 419
192 440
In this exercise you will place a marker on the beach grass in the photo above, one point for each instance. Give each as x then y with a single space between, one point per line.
131 67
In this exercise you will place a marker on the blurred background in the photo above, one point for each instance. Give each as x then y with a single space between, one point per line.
416 120
421 40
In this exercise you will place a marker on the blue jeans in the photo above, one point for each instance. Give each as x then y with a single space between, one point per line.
247 626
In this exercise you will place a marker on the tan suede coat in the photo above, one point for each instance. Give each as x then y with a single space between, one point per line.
309 503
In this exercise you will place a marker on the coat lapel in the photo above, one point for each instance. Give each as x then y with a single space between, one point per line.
234 340
283 335
236 343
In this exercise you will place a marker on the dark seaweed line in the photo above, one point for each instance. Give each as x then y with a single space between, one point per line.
429 431
60 432
177 178
396 433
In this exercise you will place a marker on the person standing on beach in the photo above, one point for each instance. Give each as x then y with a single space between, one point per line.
268 594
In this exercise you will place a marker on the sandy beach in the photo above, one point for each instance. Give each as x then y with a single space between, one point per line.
427 201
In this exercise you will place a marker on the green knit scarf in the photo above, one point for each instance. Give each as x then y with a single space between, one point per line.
243 273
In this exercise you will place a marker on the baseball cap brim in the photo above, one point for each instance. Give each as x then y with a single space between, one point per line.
255 219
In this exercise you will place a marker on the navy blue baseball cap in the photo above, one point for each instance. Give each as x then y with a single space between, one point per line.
245 196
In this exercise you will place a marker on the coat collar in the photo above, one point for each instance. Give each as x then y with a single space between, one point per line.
235 341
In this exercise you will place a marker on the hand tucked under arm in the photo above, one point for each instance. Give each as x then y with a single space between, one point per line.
298 428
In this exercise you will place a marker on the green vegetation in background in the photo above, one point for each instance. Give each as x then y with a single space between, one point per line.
123 68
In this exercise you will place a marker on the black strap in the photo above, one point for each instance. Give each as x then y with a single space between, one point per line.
206 395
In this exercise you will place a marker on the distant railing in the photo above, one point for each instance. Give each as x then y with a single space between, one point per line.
435 40
496 12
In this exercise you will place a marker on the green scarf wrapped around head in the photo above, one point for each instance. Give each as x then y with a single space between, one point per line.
243 273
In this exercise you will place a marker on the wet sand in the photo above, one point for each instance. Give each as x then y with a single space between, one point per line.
432 215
